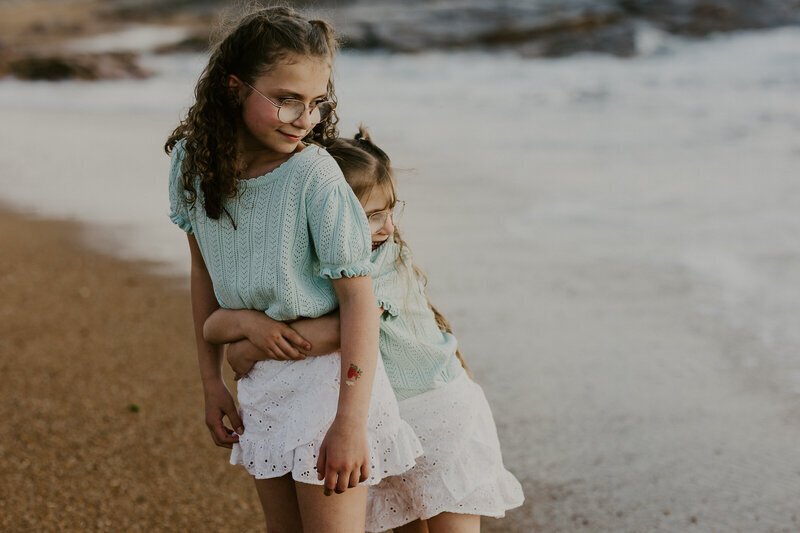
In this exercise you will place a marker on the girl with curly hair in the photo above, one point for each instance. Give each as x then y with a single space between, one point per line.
273 226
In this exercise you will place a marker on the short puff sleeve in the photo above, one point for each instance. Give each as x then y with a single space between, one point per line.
337 223
178 207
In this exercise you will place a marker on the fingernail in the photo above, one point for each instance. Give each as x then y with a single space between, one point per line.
328 491
308 346
240 430
337 491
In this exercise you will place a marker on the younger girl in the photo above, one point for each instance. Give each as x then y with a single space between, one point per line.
273 226
460 475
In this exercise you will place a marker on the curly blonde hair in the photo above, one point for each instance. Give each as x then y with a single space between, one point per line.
255 45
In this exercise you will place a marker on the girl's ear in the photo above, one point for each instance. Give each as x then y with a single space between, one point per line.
234 82
235 86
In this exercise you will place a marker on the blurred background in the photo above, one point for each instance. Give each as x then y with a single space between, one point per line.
604 195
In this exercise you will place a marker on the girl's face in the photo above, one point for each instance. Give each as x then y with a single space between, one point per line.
299 77
376 204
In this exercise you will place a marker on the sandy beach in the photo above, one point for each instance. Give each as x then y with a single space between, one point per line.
101 400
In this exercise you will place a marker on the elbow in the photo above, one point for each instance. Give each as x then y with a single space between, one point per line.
325 348
208 333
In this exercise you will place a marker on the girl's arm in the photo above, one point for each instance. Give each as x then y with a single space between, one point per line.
276 339
323 332
253 336
344 455
218 400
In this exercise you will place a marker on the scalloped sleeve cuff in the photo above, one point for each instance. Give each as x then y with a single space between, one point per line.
346 271
182 223
387 306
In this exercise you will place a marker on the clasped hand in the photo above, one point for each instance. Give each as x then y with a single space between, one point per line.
265 338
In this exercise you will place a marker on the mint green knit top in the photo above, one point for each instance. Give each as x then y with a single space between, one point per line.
297 227
418 356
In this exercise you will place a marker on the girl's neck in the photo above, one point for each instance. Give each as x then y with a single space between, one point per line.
259 162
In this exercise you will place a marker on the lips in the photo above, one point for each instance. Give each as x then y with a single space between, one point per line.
293 138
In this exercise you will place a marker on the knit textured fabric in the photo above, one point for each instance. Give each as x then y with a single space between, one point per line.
418 356
297 227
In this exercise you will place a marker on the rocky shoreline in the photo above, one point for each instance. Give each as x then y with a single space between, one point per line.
29 49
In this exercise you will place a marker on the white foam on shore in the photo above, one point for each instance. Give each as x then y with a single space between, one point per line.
132 38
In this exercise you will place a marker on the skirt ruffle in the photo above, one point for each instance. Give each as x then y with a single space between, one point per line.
461 469
287 408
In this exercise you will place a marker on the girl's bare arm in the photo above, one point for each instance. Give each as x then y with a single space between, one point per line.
344 455
218 400
322 332
275 339
253 336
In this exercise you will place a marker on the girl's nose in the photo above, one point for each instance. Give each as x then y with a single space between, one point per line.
304 120
388 227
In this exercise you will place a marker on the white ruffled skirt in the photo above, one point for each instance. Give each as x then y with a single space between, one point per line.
461 469
287 408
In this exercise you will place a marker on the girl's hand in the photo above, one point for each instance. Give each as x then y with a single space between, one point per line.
241 356
219 404
275 339
343 457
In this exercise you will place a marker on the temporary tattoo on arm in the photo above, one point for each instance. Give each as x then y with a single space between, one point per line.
353 373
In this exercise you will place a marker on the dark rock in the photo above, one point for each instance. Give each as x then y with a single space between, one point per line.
546 28
702 17
614 39
551 28
56 27
194 43
541 29
116 65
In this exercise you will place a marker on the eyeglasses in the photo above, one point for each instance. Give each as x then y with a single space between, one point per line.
290 109
378 219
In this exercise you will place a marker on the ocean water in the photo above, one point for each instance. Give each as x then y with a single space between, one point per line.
654 197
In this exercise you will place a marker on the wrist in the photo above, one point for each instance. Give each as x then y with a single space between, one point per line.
351 419
211 382
248 326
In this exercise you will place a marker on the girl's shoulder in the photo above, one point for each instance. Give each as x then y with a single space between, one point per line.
318 169
176 157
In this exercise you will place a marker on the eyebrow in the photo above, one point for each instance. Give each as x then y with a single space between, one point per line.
296 96
369 213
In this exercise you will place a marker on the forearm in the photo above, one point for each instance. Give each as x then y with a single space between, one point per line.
323 333
226 325
359 345
204 303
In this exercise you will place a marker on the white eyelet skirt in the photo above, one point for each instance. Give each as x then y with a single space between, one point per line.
287 408
461 468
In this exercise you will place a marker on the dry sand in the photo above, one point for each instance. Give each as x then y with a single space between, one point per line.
83 338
